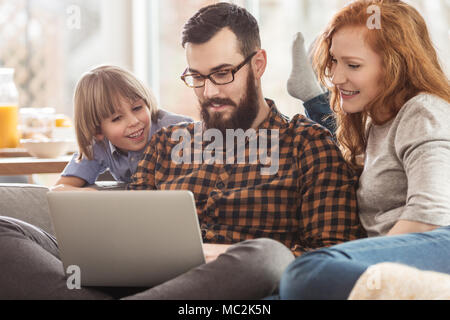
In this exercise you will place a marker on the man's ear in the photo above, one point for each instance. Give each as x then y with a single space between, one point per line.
259 63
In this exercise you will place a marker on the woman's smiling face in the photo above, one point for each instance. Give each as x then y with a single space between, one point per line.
356 69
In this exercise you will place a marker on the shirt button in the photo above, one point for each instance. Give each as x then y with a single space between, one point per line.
209 235
220 185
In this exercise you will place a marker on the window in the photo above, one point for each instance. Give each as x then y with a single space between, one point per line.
51 43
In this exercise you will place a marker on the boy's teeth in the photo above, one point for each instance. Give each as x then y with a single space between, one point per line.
137 134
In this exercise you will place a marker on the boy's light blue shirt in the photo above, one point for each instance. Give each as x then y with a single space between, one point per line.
106 155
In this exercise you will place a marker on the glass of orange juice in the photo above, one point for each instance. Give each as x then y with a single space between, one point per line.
9 118
9 113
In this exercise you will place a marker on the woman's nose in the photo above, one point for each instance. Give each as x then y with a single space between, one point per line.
337 76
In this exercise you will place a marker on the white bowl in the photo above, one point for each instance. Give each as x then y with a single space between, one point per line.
46 148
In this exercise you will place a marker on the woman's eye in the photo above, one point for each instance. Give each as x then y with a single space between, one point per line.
354 66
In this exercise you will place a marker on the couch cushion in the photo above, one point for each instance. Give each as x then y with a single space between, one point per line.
26 202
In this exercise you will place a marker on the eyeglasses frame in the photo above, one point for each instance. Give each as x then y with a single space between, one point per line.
233 72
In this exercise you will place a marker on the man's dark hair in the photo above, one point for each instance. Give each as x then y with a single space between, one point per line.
208 21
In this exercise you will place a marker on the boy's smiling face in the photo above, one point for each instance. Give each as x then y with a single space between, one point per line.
127 129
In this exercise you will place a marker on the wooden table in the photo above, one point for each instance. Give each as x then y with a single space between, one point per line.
18 162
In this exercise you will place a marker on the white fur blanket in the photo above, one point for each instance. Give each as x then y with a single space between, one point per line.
393 281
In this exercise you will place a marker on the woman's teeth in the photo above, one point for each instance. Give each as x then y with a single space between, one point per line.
349 93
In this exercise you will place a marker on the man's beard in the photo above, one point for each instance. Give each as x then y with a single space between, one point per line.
243 115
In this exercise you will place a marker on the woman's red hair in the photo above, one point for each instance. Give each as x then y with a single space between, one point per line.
410 67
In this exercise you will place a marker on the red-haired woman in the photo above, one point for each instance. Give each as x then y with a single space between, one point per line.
391 102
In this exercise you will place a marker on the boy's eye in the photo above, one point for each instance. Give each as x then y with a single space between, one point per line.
116 118
137 108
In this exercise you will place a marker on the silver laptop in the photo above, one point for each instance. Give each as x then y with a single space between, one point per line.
127 238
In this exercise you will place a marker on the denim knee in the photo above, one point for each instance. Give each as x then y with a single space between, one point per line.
321 275
302 274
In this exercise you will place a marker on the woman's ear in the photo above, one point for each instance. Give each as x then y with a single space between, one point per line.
259 63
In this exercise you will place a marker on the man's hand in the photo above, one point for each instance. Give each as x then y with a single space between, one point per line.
212 251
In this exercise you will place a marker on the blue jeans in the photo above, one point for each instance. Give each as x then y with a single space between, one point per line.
331 273
318 109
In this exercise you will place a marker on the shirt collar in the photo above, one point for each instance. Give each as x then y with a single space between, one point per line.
274 117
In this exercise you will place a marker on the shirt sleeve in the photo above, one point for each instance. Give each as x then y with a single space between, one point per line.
88 170
144 178
422 144
329 213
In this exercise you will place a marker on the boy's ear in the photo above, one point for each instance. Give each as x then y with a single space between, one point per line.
99 136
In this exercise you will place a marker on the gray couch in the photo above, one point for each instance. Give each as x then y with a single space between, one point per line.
28 202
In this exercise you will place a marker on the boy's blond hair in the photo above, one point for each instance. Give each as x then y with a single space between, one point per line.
97 97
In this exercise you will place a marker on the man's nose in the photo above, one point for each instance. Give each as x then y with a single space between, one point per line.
210 90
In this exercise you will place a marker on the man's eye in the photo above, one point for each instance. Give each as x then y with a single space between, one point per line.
223 73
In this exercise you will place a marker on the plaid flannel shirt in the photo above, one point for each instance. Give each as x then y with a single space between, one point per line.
308 203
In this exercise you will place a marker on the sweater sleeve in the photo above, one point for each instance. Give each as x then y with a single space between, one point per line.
422 144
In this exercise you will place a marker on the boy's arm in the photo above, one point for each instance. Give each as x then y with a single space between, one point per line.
70 184
77 174
329 213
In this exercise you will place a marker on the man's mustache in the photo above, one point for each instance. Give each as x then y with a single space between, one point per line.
221 101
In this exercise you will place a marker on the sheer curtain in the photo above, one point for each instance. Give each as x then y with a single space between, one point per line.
51 43
279 21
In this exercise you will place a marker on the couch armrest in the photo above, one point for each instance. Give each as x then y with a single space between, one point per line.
26 202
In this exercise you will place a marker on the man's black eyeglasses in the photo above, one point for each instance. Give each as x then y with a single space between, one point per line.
220 77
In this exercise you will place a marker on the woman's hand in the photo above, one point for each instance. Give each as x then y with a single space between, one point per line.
407 226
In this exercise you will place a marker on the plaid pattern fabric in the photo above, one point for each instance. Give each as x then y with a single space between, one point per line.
308 203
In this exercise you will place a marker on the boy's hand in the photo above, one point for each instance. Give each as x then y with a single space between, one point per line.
65 187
